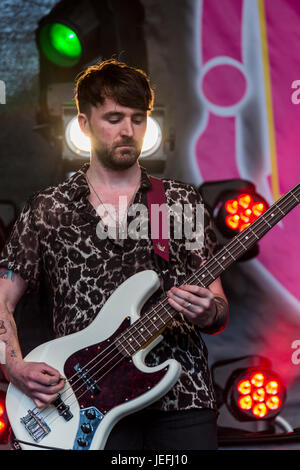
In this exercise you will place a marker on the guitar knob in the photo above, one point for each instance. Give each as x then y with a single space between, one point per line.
90 414
82 442
86 428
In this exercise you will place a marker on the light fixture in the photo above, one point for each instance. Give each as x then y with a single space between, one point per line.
5 428
76 140
234 205
153 137
251 390
237 210
255 394
60 44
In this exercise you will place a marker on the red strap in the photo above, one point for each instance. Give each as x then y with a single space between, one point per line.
159 226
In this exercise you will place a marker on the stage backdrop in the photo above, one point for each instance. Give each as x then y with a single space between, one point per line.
233 66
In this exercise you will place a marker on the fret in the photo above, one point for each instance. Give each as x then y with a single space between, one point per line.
149 332
132 338
229 253
298 200
265 220
166 310
137 333
219 263
141 331
280 210
200 281
250 230
240 241
152 322
206 268
122 346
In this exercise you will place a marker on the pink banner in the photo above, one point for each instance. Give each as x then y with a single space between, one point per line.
249 60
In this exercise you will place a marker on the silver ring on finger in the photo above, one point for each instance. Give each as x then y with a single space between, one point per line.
188 305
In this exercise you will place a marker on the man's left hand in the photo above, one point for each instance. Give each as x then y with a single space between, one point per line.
196 303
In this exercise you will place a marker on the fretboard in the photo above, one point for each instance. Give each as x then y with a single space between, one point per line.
153 322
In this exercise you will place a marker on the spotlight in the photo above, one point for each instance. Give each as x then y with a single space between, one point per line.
153 137
60 44
76 140
234 205
153 156
236 211
4 423
249 388
254 394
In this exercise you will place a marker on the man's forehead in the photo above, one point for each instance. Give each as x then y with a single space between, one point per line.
111 105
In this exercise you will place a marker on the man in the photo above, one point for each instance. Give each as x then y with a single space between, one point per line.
56 236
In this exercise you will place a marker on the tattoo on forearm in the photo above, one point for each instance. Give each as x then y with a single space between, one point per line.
221 304
220 316
13 353
3 329
7 274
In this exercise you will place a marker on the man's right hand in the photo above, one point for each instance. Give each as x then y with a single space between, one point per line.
37 380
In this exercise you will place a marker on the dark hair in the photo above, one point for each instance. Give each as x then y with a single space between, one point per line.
128 86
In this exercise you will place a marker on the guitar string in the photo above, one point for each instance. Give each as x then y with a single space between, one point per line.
193 275
122 356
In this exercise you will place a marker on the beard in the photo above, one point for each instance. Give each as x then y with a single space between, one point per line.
116 157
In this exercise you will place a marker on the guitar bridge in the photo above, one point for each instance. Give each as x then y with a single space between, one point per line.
35 425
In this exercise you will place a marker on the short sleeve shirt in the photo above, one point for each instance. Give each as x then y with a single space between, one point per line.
56 236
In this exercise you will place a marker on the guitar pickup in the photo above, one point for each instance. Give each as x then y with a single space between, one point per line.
88 381
62 408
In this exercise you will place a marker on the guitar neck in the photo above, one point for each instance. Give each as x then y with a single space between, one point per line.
153 322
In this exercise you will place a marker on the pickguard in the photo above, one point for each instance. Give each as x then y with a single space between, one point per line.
111 379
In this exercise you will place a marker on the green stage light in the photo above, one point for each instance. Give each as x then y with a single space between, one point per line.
60 44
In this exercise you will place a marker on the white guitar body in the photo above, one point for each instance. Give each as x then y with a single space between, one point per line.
85 427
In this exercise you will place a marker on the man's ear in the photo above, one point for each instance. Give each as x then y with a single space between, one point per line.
84 124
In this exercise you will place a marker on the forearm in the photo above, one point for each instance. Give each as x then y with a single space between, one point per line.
10 347
220 318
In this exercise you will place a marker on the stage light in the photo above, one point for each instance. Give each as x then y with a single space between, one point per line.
153 137
4 423
235 212
60 44
234 205
253 394
76 140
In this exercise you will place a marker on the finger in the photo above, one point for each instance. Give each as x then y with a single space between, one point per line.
35 387
188 300
50 371
188 312
42 401
45 375
197 290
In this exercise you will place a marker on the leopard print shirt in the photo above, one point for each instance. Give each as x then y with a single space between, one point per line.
55 238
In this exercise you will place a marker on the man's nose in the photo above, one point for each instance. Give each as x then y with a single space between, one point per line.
127 128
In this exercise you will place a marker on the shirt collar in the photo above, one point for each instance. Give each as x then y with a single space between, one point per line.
78 186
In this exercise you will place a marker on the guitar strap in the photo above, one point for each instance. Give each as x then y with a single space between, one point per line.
158 217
